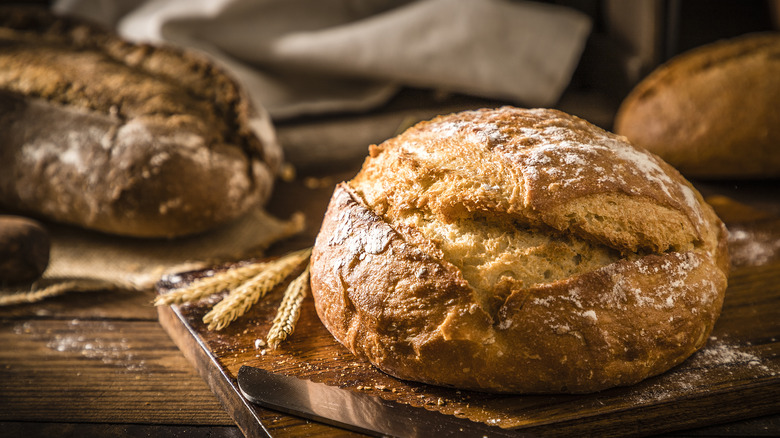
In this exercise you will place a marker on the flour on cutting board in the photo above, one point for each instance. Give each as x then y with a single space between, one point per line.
721 358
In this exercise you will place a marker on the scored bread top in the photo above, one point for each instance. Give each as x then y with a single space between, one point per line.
68 61
517 198
538 167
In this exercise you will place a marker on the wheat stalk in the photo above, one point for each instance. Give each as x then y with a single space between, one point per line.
240 299
289 311
203 287
52 291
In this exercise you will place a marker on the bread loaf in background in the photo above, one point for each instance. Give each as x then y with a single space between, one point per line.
124 138
712 112
522 251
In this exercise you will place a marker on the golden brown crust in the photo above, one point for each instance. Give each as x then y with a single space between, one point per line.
120 137
712 112
392 283
537 165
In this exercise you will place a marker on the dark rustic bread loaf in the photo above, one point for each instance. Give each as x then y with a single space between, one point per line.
713 112
522 251
124 138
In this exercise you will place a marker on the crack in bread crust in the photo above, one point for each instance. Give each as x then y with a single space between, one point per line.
537 165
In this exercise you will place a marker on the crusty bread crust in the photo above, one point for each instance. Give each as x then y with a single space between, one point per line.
393 282
712 112
124 138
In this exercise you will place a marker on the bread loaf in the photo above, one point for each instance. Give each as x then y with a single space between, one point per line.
522 251
124 138
713 112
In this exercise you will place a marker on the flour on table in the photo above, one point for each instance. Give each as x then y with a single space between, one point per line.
719 361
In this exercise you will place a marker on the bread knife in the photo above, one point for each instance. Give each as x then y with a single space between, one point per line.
356 411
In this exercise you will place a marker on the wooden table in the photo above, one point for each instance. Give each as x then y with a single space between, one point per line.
100 364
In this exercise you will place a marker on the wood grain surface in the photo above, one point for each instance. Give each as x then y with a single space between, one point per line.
79 357
735 376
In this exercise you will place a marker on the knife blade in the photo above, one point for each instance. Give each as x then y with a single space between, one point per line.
354 411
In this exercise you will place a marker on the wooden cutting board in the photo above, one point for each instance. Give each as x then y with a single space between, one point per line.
735 376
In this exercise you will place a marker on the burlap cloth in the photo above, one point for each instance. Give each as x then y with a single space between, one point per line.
84 260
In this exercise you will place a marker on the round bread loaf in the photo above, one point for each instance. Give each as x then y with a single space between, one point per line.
124 138
712 112
522 251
